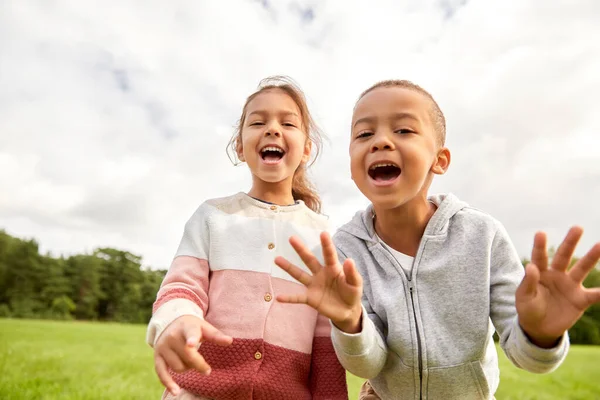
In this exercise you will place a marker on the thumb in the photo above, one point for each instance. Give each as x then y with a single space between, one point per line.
528 287
212 334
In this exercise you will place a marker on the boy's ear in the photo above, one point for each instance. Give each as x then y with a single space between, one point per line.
442 162
307 149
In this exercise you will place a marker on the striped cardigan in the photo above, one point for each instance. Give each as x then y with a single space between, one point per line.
224 272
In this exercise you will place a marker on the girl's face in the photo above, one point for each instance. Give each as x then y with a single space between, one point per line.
273 141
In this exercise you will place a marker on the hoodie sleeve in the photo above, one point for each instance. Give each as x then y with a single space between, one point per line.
505 276
362 354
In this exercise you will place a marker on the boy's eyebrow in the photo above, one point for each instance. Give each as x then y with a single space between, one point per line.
404 115
394 117
364 120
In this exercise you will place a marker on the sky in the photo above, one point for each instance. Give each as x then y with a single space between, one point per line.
114 116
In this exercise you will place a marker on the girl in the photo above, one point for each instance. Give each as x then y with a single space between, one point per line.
215 323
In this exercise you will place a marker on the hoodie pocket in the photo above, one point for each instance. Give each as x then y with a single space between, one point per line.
399 381
464 381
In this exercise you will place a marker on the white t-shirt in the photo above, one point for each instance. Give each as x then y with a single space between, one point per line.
405 261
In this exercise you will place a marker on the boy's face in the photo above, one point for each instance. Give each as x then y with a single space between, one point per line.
394 150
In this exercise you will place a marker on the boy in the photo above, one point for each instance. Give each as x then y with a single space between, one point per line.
439 276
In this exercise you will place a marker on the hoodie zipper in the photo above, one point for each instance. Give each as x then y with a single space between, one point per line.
412 300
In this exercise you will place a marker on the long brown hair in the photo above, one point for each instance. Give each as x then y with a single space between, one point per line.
302 188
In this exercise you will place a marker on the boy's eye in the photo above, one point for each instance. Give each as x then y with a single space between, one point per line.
363 135
289 124
256 123
405 131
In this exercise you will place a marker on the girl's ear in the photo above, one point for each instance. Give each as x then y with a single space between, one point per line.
307 149
239 149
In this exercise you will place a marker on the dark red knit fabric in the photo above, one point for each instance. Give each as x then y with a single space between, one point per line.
236 374
327 376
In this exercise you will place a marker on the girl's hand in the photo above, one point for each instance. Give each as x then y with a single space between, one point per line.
177 348
333 290
551 299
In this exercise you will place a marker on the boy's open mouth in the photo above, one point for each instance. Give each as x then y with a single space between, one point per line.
384 172
272 154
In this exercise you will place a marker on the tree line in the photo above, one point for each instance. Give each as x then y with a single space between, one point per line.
111 285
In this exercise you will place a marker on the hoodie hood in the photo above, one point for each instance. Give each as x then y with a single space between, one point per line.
448 205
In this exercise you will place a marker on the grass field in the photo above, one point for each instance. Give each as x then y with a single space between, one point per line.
81 360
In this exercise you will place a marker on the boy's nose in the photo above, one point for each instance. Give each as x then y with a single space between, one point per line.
382 143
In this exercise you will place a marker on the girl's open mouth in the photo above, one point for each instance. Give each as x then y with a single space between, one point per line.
272 154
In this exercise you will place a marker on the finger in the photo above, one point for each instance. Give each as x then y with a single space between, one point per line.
539 255
191 334
300 298
162 371
329 253
565 251
353 278
173 358
189 358
306 255
212 334
295 272
193 359
593 296
582 268
528 287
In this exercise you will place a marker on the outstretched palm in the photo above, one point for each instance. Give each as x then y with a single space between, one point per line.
334 290
551 298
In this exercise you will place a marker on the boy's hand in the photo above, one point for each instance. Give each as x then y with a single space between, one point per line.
550 300
177 348
333 290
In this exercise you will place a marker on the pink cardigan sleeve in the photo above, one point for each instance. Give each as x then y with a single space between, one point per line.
184 290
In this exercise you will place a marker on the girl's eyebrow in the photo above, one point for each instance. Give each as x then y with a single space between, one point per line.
282 113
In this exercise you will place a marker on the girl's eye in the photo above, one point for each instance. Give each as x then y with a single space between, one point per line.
404 131
363 135
289 124
256 123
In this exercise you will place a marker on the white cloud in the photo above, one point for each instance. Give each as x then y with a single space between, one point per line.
114 117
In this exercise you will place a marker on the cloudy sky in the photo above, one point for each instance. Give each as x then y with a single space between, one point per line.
114 116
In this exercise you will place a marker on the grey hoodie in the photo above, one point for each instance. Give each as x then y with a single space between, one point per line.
429 335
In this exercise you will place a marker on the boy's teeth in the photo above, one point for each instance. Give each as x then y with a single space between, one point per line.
381 165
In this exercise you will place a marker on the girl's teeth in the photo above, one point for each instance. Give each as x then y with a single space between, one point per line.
277 149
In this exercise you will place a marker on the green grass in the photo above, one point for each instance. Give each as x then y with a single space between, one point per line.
75 360
81 360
